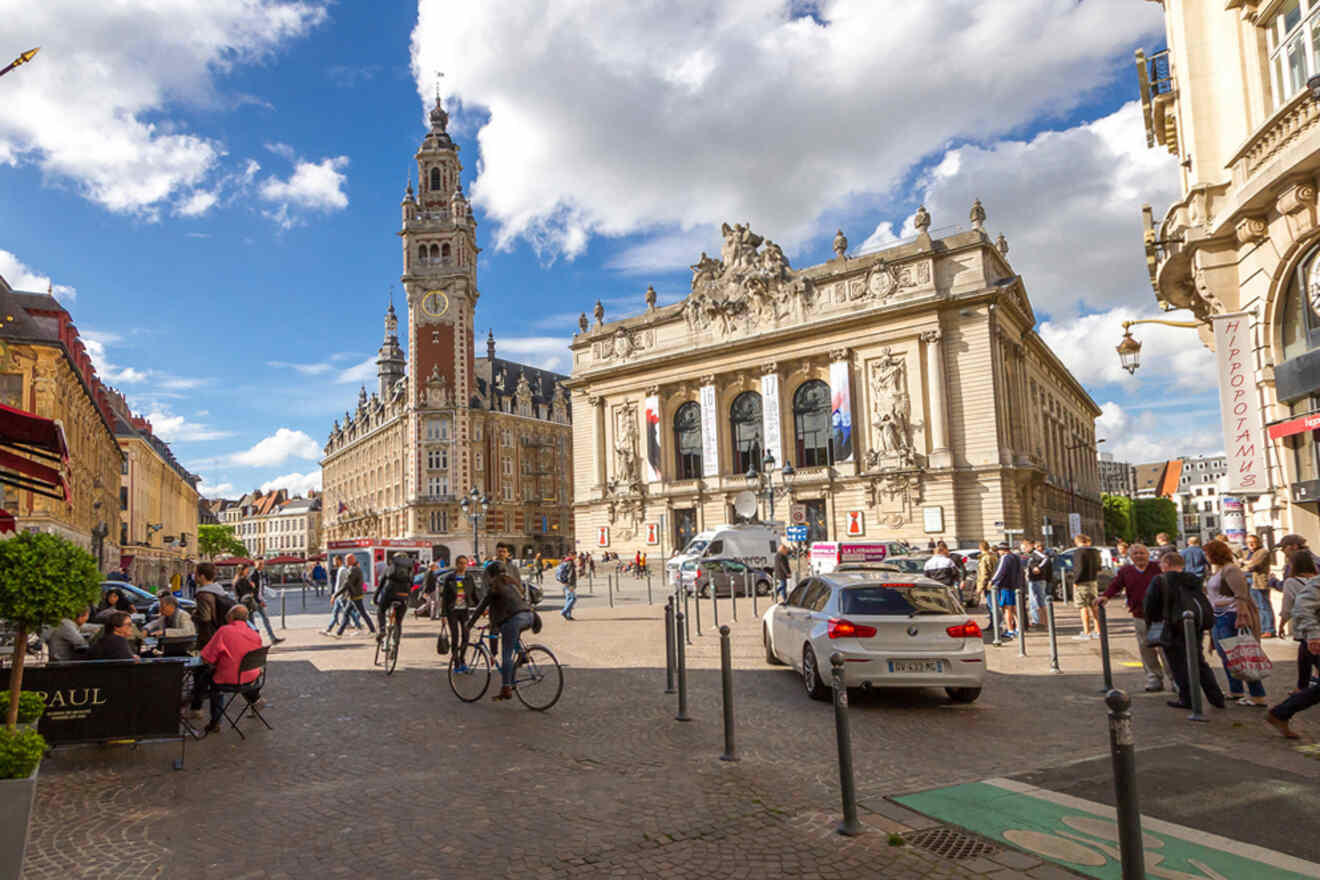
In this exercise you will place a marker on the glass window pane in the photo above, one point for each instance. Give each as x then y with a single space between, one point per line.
1296 59
1291 14
902 601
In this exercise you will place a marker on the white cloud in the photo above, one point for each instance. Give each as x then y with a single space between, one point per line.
1171 357
358 373
177 429
198 203
698 111
304 369
216 490
296 483
1157 434
20 277
546 352
93 109
1069 203
313 186
278 448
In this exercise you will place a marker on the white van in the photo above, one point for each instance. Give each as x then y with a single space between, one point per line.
752 543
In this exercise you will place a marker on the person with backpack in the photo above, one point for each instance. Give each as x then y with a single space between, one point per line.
354 590
210 613
567 575
1306 625
1172 592
395 586
1301 570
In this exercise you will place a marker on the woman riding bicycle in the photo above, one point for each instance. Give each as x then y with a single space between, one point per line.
510 614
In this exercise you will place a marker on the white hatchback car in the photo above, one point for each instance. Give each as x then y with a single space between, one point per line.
893 630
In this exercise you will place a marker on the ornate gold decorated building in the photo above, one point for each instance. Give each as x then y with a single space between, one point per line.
907 388
443 421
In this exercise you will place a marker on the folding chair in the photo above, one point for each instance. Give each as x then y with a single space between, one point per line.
251 660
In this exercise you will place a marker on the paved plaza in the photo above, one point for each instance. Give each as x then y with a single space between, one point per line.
371 776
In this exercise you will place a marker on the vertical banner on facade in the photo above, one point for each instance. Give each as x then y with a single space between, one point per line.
1239 405
653 533
840 412
651 415
1234 522
770 415
710 465
602 536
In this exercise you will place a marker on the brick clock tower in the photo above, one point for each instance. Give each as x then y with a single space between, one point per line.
440 280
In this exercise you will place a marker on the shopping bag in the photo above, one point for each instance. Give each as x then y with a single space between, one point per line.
1245 657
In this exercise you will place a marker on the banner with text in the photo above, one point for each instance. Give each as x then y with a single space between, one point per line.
770 415
1239 405
651 406
710 465
840 413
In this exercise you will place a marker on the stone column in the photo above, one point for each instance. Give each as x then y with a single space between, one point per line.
940 454
598 436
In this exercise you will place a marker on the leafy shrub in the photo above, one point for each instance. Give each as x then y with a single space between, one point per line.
20 752
30 707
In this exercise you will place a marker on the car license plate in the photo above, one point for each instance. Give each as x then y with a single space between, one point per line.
916 666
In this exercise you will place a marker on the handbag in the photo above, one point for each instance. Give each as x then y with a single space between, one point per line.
1155 634
1244 656
536 622
442 643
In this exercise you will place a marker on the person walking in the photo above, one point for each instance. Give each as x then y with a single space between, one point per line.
570 588
941 566
1194 557
1168 596
1230 597
1289 545
1257 565
1162 546
1303 569
1086 590
319 578
1306 626
354 591
247 589
1008 578
455 599
1133 580
783 571
985 570
1040 573
340 606
1121 553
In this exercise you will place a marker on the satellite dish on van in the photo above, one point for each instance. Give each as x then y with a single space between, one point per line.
744 504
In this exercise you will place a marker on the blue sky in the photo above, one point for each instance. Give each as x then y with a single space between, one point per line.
214 192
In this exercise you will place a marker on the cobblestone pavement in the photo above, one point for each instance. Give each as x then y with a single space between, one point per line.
372 776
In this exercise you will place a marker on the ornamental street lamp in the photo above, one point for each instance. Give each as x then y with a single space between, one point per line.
1129 349
763 482
475 505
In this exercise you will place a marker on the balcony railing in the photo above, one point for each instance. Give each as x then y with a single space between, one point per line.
1288 123
1158 90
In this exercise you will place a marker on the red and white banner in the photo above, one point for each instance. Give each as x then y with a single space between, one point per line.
653 533
603 536
1299 425
856 524
651 419
1239 405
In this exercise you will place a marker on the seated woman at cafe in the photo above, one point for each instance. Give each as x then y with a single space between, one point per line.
115 644
66 639
173 621
112 601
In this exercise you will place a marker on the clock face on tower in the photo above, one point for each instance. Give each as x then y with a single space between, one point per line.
435 303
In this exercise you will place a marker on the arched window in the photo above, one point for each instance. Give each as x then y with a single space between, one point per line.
421 253
444 254
811 423
435 179
745 425
687 441
1299 323
435 252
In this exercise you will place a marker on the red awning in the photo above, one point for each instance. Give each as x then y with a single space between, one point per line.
233 560
24 473
23 434
7 523
284 560
1299 425
19 428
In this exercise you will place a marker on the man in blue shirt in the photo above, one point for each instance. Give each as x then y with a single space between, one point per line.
1194 557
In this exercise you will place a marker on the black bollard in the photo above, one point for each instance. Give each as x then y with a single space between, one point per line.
849 826
726 681
1022 621
992 596
609 587
282 623
682 674
696 612
648 588
1054 635
714 606
686 630
1104 648
304 597
669 646
1192 647
755 613
733 597
1123 752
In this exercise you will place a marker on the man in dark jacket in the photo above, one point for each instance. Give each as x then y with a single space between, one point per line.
1008 578
115 644
249 591
1168 595
395 586
1086 585
782 573
354 586
570 587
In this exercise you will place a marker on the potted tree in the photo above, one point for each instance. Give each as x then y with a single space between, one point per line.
43 578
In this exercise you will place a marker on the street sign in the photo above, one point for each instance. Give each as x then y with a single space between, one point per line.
796 533
798 514
1048 529
1074 524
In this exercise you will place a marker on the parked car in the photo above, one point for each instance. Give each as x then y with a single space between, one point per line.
893 630
144 603
916 565
725 575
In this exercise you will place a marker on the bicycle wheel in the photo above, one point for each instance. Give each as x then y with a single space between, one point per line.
392 649
537 678
380 644
470 684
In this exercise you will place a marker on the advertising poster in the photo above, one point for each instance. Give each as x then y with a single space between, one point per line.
651 414
840 413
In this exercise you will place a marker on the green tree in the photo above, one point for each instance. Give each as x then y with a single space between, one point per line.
214 540
43 578
1150 516
1118 517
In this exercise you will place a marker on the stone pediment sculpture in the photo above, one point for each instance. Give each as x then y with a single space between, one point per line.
894 497
437 388
623 344
890 415
748 287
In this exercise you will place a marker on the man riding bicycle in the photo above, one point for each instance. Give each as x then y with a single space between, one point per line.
510 614
395 586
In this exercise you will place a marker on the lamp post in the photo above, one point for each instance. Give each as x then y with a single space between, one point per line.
1129 349
763 482
474 506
